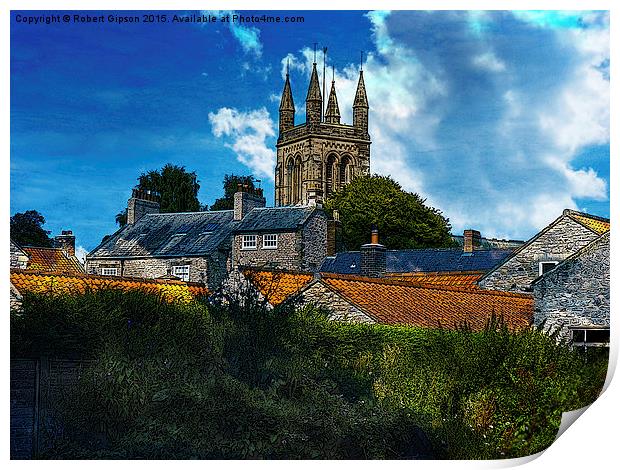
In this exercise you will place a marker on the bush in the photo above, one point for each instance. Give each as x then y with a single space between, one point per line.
240 380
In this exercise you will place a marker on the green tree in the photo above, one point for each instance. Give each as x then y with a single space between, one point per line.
177 187
402 218
27 229
230 184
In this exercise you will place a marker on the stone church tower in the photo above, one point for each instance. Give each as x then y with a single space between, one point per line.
318 157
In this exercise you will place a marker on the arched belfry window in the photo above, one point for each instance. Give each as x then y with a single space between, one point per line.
345 170
290 172
331 175
296 181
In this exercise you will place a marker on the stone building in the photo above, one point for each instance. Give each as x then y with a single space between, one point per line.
562 238
321 155
281 237
573 297
362 299
204 246
58 259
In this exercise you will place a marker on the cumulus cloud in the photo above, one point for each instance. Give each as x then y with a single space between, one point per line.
247 134
247 36
80 253
489 61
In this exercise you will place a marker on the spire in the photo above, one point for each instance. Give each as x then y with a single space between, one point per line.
287 106
314 101
332 115
286 103
361 100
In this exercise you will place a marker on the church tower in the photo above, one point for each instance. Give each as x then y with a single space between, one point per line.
318 157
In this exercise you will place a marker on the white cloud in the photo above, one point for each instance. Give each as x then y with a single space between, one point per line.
488 61
80 253
246 133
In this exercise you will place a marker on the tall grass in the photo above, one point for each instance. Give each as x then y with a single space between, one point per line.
239 380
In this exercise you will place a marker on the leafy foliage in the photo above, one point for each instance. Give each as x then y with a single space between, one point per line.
27 229
177 187
238 380
402 218
230 184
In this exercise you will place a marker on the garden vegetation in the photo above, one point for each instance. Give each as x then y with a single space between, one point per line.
237 380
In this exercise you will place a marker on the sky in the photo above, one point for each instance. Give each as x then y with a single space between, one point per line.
498 119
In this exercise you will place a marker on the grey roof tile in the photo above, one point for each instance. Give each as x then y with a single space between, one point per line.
275 218
177 234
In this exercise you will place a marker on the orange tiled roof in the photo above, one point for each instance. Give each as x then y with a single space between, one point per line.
595 224
454 279
52 260
400 302
54 283
277 286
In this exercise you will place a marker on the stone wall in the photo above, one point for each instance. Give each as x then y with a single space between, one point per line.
314 242
152 268
18 259
340 309
576 293
556 243
286 256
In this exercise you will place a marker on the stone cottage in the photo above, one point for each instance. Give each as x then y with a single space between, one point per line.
204 246
560 239
573 297
58 259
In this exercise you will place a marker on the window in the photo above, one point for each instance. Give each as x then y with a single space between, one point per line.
586 337
248 242
182 272
546 266
109 271
270 241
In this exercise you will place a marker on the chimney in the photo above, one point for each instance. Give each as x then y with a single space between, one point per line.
66 242
373 262
471 240
142 202
334 234
246 200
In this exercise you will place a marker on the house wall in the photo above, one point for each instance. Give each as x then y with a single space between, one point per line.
575 294
288 254
340 309
314 241
556 244
18 259
199 268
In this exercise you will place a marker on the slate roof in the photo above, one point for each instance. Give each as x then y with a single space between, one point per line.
262 219
169 235
52 260
421 260
55 284
401 303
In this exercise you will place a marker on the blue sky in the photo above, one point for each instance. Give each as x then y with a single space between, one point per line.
499 119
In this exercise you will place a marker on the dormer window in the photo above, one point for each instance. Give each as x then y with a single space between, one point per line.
546 266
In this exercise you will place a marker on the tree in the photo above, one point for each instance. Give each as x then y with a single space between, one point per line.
27 229
177 187
230 184
402 218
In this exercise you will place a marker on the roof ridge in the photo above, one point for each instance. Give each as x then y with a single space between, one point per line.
27 272
396 282
190 212
570 212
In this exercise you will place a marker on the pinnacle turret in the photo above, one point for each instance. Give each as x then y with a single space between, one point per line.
360 105
314 100
332 114
287 107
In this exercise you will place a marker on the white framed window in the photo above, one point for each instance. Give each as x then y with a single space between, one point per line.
270 241
248 242
589 337
182 272
109 271
546 266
